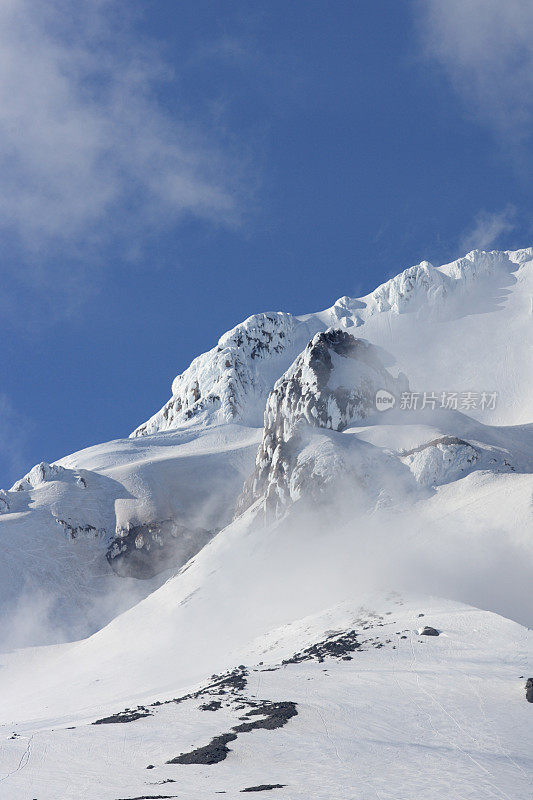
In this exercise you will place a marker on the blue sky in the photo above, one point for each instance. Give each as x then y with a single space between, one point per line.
169 168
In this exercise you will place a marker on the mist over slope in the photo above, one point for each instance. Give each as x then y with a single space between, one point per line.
290 518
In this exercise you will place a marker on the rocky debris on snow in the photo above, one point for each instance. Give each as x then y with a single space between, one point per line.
337 645
211 753
331 385
127 715
74 531
529 690
150 797
229 684
272 715
214 705
228 688
144 550
427 630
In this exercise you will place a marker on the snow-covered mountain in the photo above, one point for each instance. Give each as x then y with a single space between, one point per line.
258 569
473 317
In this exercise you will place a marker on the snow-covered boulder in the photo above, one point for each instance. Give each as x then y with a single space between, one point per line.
441 460
40 473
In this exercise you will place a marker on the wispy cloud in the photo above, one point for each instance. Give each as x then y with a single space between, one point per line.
87 152
486 48
487 229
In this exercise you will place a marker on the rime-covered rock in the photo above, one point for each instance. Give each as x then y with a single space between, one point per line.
40 473
331 385
232 381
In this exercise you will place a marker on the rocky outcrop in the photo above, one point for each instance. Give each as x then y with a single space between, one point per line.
74 531
142 551
331 385
232 381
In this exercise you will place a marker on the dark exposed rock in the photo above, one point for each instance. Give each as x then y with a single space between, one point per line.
529 690
75 531
212 753
263 714
150 797
230 683
142 551
264 787
214 705
272 715
275 715
444 440
335 646
124 716
427 630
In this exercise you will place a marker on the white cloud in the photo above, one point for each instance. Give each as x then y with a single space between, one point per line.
487 229
486 48
82 136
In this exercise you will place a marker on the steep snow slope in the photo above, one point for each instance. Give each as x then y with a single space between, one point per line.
58 524
374 711
445 714
251 578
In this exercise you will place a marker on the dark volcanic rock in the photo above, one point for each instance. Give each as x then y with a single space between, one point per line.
336 646
150 797
212 753
275 715
529 690
264 787
142 551
124 716
272 715
214 705
427 630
